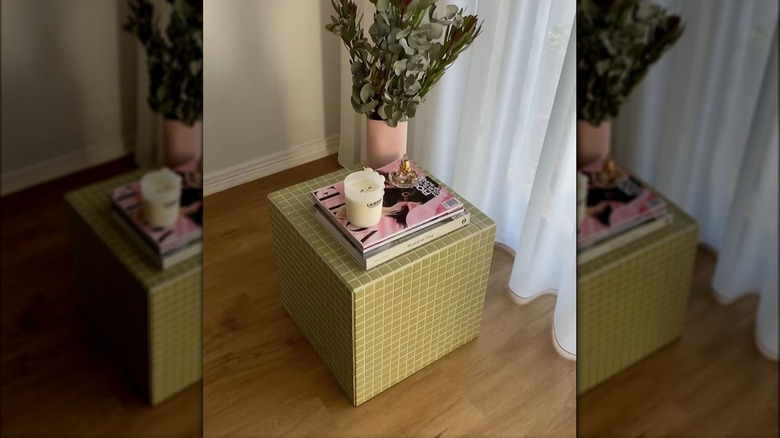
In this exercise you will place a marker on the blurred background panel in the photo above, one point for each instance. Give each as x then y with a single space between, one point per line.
702 130
272 88
74 112
69 80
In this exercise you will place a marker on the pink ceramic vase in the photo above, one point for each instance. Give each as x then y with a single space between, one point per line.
384 144
182 145
593 142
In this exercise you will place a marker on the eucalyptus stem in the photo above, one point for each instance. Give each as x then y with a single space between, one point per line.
617 42
413 45
174 60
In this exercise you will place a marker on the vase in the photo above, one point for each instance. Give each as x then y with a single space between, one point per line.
593 142
182 145
384 144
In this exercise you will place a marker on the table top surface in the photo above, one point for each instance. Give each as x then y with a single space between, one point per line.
296 205
681 223
94 206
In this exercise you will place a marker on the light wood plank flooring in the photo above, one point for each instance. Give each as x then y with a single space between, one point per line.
58 377
712 382
262 378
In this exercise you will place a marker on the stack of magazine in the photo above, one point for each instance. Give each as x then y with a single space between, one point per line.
411 217
164 246
620 209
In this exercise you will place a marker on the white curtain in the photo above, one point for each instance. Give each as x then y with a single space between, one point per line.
703 128
499 128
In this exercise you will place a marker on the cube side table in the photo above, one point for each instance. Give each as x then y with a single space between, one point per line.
374 328
632 301
150 318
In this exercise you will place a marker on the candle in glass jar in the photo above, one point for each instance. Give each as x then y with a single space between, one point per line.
160 195
363 193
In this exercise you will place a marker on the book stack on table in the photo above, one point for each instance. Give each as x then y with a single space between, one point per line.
620 209
411 217
163 246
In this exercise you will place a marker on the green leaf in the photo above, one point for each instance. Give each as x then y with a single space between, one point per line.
368 107
411 109
382 5
416 63
414 88
162 92
408 50
357 107
399 67
374 31
403 33
435 51
196 66
450 11
433 31
366 92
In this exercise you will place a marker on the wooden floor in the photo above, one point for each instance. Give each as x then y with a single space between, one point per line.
58 379
713 382
262 378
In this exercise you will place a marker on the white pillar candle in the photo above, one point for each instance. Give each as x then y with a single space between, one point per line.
364 191
160 194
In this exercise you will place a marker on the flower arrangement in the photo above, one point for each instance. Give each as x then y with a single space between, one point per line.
411 47
617 42
175 63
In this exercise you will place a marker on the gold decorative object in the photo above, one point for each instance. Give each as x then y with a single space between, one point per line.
405 177
608 175
195 178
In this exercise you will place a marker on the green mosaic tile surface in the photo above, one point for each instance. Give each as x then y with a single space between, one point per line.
152 318
632 301
94 206
176 335
374 328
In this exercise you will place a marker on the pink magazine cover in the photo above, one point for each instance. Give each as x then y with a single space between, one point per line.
126 199
402 209
613 207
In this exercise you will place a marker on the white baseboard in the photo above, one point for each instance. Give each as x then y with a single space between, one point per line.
217 181
73 162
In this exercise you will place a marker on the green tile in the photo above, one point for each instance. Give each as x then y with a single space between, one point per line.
374 328
632 301
151 318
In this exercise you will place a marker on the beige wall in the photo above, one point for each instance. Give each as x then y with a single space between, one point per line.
70 95
271 78
68 87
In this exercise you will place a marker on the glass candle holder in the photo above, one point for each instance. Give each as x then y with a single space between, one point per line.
160 194
363 192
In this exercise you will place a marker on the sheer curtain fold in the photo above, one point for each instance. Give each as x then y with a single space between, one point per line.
703 129
500 129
